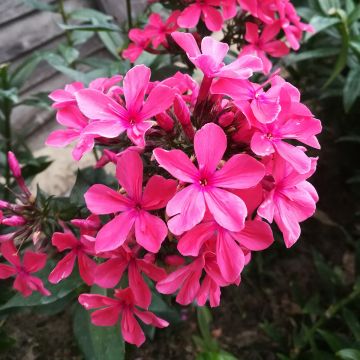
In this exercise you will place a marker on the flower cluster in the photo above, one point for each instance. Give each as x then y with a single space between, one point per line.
266 24
204 171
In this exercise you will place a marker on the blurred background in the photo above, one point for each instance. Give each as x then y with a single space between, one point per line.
301 303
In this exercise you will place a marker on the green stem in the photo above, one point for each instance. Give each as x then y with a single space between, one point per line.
128 9
331 311
65 21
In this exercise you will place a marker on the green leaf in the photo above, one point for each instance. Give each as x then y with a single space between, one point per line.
352 322
354 15
327 5
69 54
86 14
335 342
352 88
21 73
312 54
204 321
40 100
321 23
39 5
90 27
348 354
97 342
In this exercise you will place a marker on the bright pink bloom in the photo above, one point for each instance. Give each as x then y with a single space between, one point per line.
123 306
188 206
206 9
140 41
109 273
150 230
290 201
187 279
31 263
264 44
210 59
158 30
135 117
65 97
80 251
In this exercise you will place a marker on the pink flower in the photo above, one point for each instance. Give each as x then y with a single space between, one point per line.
206 9
264 44
80 251
109 273
229 245
135 117
123 306
150 231
158 30
188 206
290 201
210 59
140 41
32 262
187 279
65 97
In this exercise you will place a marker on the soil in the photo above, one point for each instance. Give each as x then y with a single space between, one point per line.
237 321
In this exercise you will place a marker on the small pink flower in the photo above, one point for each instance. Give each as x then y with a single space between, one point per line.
80 251
206 9
135 117
150 230
140 41
31 263
290 201
207 184
210 59
264 44
125 307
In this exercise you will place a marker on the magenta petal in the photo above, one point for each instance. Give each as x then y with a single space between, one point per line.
189 207
10 253
229 256
129 172
109 273
212 18
239 172
87 268
63 269
138 286
189 18
256 236
130 329
34 262
177 164
135 84
215 49
260 145
62 138
64 241
229 210
106 317
100 200
150 231
107 129
149 318
6 271
93 301
114 233
210 145
187 42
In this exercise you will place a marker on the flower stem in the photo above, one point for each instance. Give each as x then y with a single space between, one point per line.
65 21
128 9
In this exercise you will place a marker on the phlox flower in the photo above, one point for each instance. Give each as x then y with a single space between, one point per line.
207 10
140 41
263 44
210 58
150 230
109 273
125 307
230 247
289 200
80 251
23 269
134 117
207 184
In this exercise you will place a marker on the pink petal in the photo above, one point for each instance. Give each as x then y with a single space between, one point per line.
242 68
260 145
107 129
187 42
252 197
265 108
34 262
150 231
86 144
252 32
189 18
229 256
135 84
97 106
228 210
136 133
64 241
157 192
159 100
36 284
62 138
71 117
210 145
139 287
190 286
189 207
109 273
152 271
191 243
93 301
100 200
209 290
215 49
6 271
239 172
149 318
21 284
212 18
173 281
87 268
256 236
10 253
106 317
114 233
130 329
63 269
177 164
